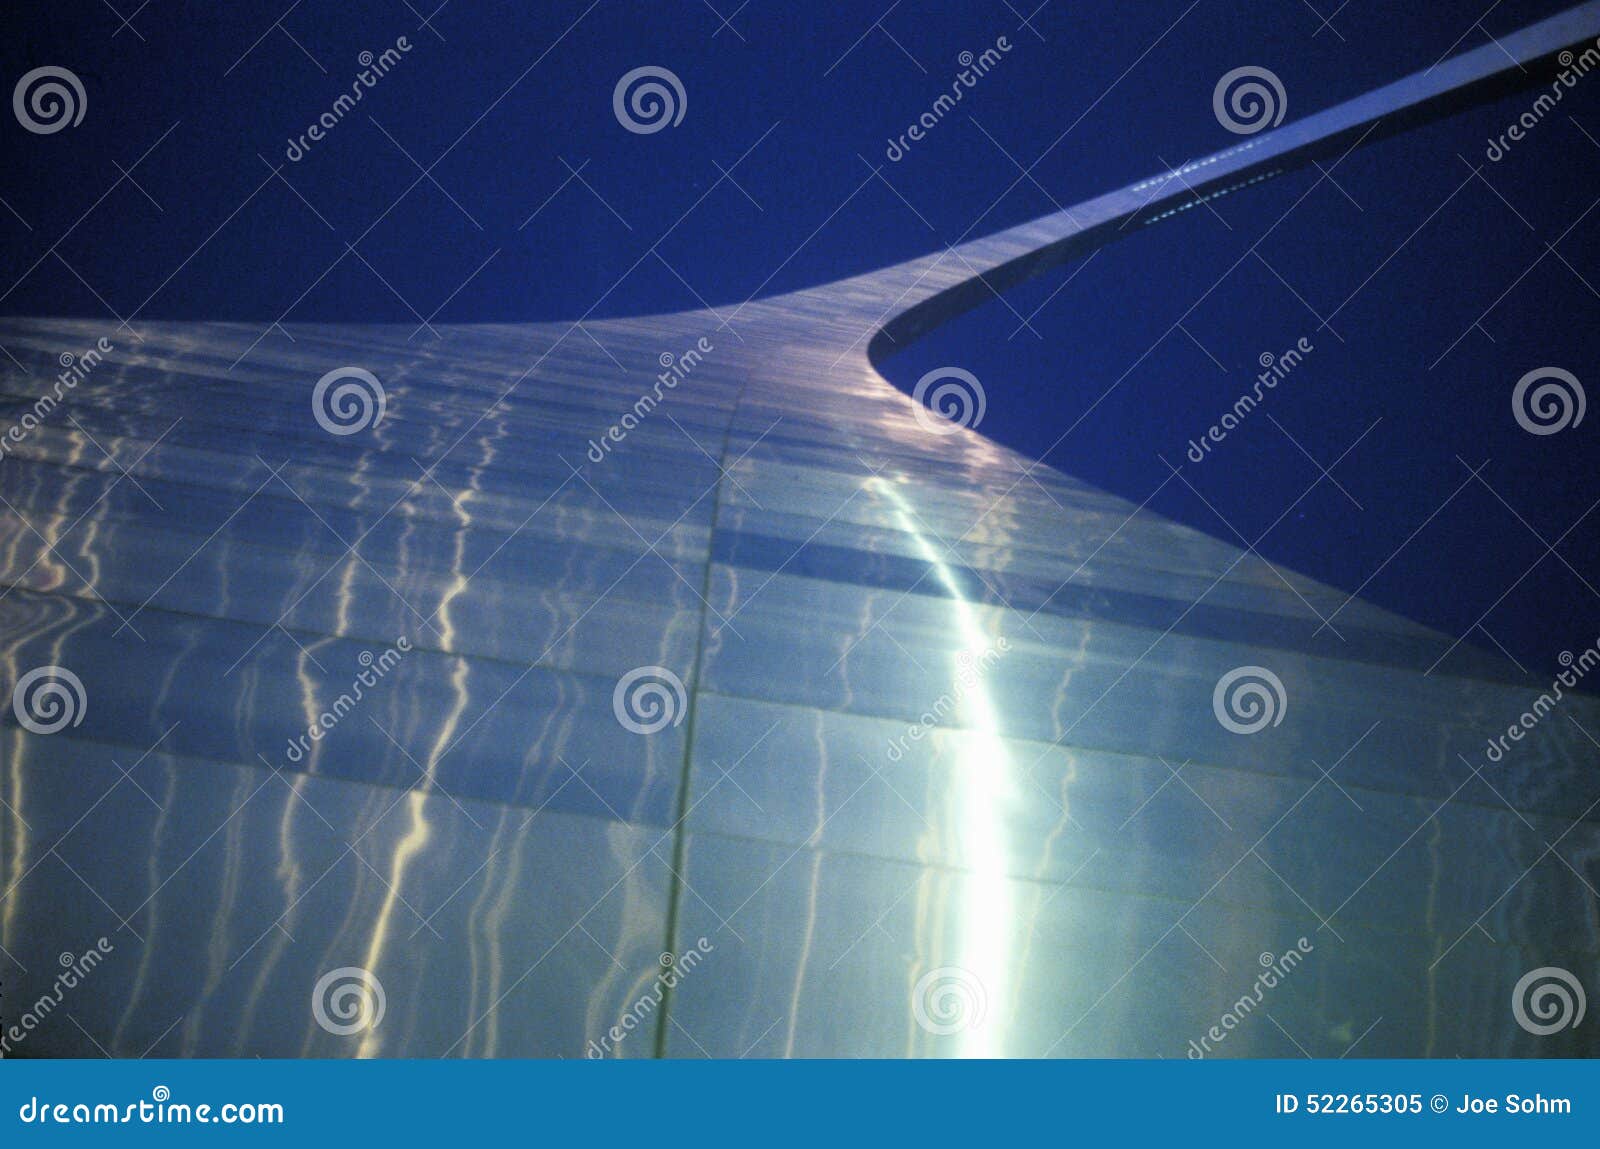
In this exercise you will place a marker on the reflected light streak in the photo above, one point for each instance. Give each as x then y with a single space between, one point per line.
420 830
977 804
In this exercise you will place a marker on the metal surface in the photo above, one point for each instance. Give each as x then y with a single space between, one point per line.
896 834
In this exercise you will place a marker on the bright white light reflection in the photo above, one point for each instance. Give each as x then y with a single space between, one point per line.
976 805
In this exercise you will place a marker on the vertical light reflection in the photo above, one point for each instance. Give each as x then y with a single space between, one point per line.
73 620
813 887
11 874
420 830
977 803
234 843
149 951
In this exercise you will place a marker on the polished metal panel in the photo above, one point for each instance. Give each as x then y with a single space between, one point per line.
755 719
226 892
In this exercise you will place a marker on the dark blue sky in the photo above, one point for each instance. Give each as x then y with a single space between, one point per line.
502 103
